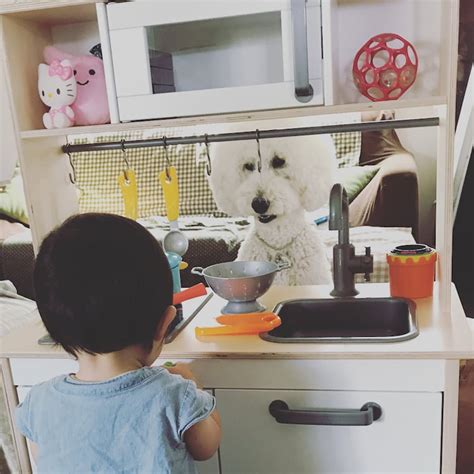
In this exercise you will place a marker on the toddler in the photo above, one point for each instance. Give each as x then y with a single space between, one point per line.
104 292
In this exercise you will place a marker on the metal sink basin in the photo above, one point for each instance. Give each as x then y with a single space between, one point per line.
345 320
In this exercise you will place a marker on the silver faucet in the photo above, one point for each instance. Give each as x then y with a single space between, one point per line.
345 262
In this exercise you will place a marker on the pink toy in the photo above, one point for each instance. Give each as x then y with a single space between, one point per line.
57 89
385 67
91 106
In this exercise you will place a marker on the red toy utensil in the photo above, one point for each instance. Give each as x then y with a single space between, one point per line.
189 293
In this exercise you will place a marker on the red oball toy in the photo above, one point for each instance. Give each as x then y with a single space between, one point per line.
385 67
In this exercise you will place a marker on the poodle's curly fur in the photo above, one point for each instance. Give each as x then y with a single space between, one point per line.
296 176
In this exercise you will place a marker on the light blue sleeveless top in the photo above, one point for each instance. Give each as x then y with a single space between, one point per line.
133 423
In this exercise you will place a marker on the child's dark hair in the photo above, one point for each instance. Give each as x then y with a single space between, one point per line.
102 283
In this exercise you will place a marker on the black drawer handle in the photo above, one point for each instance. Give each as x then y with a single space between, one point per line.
368 413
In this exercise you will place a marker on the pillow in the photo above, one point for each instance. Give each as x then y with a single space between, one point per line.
347 148
16 309
12 200
97 172
355 179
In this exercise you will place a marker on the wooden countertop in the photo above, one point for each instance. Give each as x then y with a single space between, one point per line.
442 336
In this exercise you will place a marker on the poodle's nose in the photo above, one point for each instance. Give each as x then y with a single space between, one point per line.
260 205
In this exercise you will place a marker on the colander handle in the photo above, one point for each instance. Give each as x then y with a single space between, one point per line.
283 265
197 271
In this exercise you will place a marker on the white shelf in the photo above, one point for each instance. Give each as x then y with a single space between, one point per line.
237 117
36 8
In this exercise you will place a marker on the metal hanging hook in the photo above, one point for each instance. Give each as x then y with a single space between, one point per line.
127 164
72 176
168 161
72 173
208 164
259 160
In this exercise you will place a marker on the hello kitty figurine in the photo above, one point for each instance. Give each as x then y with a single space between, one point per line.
91 106
57 89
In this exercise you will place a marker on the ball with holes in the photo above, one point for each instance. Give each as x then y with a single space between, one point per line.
385 67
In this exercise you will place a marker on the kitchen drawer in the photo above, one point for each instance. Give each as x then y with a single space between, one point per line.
347 375
406 438
27 372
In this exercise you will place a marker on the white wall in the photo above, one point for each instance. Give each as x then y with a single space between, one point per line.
77 38
8 147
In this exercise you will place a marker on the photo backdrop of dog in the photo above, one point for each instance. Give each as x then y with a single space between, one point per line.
296 175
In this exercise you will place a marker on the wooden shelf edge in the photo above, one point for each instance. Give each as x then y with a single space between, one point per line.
234 117
32 5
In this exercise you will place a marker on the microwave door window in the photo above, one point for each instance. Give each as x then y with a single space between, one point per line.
238 51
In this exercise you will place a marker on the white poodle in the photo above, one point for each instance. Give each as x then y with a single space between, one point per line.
296 176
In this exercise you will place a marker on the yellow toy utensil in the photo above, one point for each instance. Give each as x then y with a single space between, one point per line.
174 241
128 186
171 192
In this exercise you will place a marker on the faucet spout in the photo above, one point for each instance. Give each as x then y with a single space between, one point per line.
345 262
339 212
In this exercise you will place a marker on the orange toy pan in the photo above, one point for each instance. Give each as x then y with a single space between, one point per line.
249 323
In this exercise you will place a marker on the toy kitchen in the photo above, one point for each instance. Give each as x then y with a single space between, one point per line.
318 364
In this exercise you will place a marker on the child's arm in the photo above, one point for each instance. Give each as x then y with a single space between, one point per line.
203 438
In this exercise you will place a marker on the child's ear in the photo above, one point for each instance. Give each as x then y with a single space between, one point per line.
162 327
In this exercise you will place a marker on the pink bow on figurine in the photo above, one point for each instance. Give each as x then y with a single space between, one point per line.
56 69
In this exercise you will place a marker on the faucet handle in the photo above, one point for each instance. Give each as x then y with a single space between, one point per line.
369 262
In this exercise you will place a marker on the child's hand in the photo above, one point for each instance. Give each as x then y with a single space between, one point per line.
181 369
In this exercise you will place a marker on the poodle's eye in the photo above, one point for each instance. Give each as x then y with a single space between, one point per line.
278 162
75 72
249 167
58 91
91 72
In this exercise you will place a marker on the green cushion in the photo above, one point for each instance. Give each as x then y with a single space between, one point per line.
12 200
355 179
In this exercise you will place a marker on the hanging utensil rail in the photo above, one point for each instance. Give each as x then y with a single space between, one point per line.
250 135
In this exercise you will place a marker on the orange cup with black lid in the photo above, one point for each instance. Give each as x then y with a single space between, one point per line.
412 271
